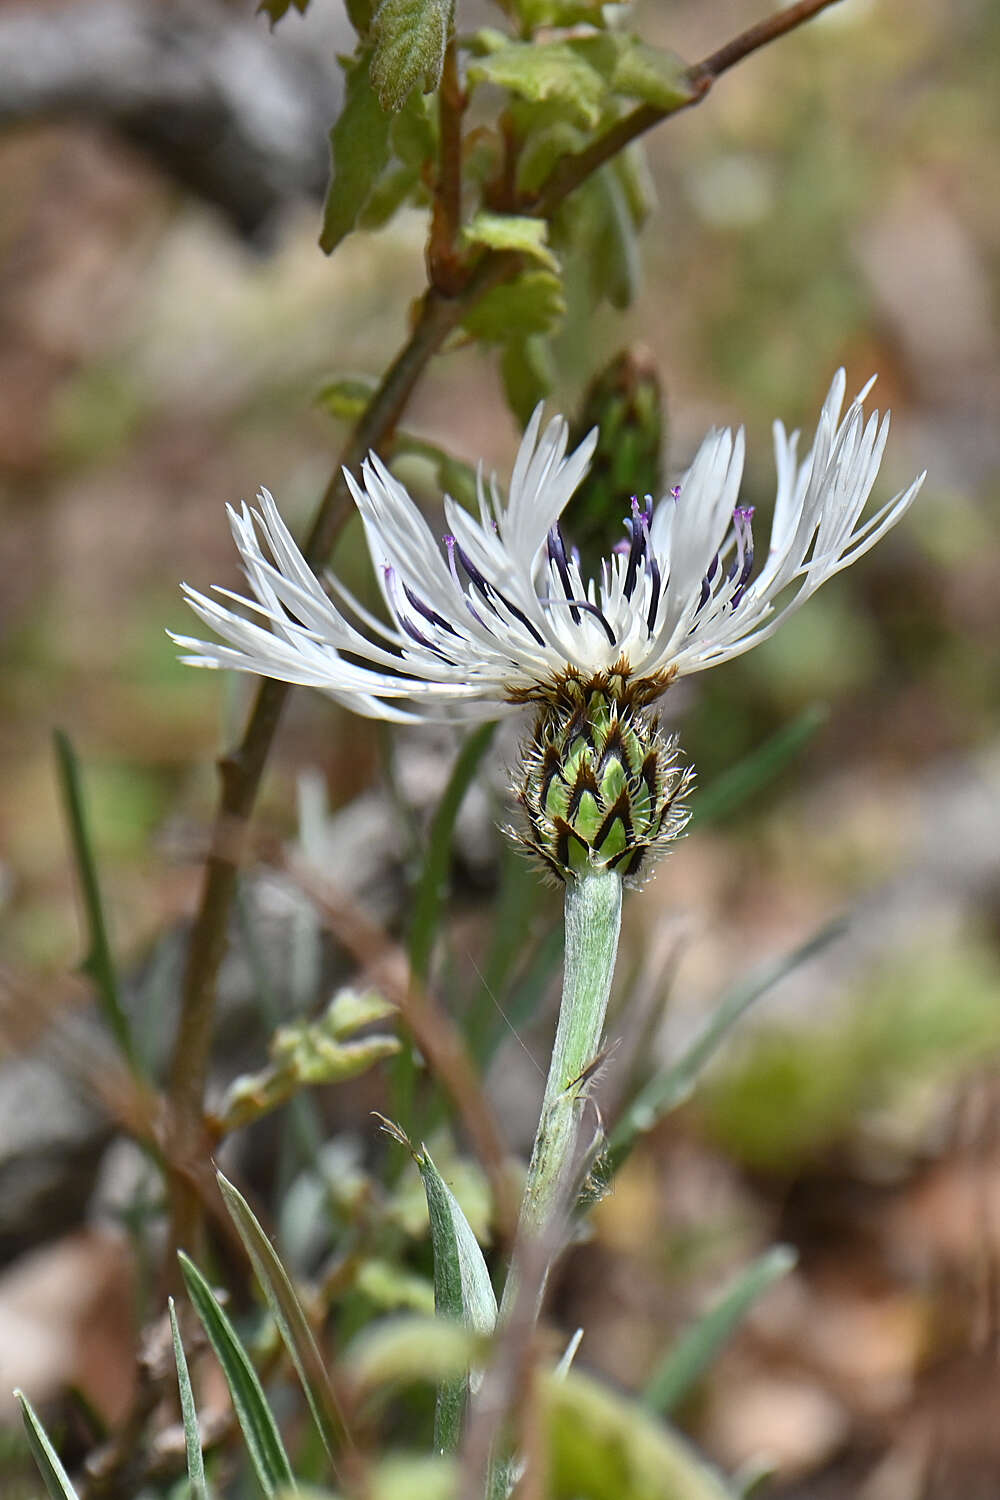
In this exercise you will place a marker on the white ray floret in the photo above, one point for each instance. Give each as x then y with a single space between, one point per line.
499 609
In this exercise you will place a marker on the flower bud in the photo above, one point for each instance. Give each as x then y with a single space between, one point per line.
602 788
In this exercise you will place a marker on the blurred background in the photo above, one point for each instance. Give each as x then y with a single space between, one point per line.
166 324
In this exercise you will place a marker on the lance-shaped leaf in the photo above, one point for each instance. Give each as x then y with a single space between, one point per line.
189 1415
698 1347
56 1479
289 1316
260 1430
359 147
463 1291
410 37
313 1052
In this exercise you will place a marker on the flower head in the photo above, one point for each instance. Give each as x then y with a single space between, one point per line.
499 613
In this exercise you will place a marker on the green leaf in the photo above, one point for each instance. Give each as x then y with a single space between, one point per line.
638 71
189 1415
670 1088
463 1291
454 475
346 397
410 38
98 964
413 1476
534 14
532 303
260 1431
528 371
289 1317
749 776
309 1053
56 1479
698 1347
545 71
275 9
359 147
512 232
614 255
359 13
411 1349
604 1447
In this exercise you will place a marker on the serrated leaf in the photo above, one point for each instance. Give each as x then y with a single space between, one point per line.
260 1431
463 1291
289 1317
407 1349
57 1481
543 71
359 149
528 370
698 1347
512 232
603 1447
189 1415
410 38
638 71
532 303
347 397
275 9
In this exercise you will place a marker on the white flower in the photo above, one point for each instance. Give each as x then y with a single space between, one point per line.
499 611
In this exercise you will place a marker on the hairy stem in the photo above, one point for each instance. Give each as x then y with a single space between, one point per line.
593 923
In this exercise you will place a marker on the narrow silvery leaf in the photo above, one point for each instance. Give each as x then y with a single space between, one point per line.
260 1431
56 1479
289 1316
463 1291
192 1437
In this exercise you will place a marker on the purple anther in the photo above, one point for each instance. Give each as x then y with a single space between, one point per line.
654 591
706 582
577 604
743 564
639 529
557 555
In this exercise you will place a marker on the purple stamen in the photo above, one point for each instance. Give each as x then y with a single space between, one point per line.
592 609
706 582
742 524
431 615
487 589
654 591
639 528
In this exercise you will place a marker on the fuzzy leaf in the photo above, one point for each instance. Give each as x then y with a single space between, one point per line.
189 1415
409 1349
545 71
410 37
532 303
260 1431
463 1291
637 70
289 1317
359 148
603 1446
56 1479
512 232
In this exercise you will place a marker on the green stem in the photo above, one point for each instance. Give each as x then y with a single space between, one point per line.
593 923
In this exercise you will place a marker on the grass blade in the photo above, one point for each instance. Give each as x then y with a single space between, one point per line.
98 964
56 1479
676 1083
290 1318
741 782
697 1348
260 1431
192 1436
